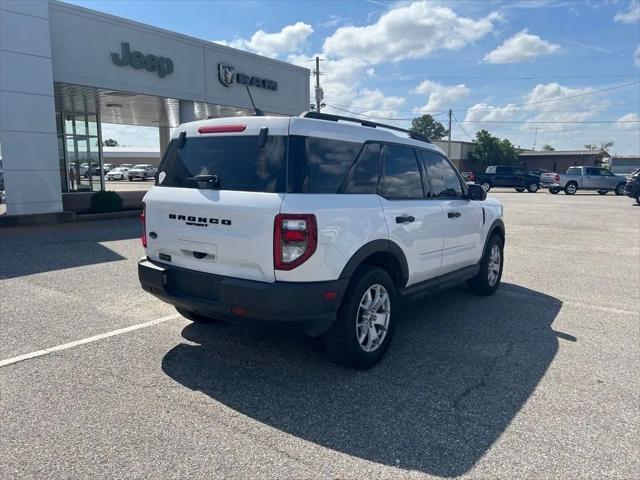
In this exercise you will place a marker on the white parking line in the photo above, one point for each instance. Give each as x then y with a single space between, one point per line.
95 338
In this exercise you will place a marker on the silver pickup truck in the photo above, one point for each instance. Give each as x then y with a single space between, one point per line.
584 178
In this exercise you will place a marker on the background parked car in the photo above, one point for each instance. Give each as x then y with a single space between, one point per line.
118 173
84 169
589 178
507 176
632 187
143 171
128 166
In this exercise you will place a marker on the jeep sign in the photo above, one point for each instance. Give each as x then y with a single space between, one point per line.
228 76
138 60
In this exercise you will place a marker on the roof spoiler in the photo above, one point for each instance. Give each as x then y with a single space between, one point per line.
365 123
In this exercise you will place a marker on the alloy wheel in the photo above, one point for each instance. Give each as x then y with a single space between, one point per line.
372 318
493 268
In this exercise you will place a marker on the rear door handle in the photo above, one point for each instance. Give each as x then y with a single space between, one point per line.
453 214
405 219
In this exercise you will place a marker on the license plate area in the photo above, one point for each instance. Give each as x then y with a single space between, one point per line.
193 284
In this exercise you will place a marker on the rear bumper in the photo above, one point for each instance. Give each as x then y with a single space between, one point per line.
299 308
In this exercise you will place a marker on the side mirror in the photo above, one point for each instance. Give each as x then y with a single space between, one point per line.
476 192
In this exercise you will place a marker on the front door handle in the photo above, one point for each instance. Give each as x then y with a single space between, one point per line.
405 219
453 214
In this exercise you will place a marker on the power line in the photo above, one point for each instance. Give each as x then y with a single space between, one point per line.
559 99
461 127
515 77
374 117
438 112
550 121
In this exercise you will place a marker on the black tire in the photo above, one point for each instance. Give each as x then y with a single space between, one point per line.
196 317
341 342
144 177
554 191
519 190
571 188
486 185
619 189
603 192
638 197
533 187
131 179
481 284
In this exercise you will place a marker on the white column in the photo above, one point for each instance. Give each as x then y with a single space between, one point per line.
165 137
27 112
187 111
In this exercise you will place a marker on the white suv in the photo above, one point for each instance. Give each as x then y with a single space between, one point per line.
318 224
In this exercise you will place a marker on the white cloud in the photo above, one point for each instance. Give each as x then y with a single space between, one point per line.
636 56
484 112
624 122
580 108
291 39
632 15
522 47
333 21
408 31
440 96
342 83
131 135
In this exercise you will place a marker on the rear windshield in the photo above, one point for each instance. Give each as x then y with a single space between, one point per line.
236 160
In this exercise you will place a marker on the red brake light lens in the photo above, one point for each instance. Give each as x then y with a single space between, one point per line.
144 226
557 177
295 238
223 128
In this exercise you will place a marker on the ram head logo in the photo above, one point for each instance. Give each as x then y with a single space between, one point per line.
226 74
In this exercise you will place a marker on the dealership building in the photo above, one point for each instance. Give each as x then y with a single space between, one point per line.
64 70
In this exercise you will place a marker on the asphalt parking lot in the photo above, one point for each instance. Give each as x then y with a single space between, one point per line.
539 381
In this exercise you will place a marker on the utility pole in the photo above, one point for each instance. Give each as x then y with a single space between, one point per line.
535 139
449 142
319 91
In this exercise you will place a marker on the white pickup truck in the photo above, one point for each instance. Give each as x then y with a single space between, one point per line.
584 178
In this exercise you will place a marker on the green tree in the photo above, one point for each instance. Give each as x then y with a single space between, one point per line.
429 127
602 146
490 150
110 142
548 148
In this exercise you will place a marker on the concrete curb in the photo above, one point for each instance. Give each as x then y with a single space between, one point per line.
63 217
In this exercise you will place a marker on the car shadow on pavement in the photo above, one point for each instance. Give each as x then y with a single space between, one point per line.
45 248
459 369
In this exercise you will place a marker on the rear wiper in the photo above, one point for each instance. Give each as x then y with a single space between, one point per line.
206 181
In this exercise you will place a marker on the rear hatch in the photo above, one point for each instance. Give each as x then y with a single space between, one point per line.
216 196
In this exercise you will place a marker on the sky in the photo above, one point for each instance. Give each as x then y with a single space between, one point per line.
557 72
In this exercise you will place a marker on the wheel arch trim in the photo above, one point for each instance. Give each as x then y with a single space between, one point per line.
373 247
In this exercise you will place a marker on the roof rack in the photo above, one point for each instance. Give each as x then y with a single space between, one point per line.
365 123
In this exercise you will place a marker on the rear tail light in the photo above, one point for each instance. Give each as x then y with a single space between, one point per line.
472 177
144 226
294 240
557 177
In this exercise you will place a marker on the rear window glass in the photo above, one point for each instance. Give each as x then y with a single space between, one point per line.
319 165
237 161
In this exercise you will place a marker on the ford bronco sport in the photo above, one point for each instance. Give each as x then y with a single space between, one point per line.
318 224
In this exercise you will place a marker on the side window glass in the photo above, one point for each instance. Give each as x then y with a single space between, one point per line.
593 171
401 178
604 172
319 165
573 171
364 178
445 183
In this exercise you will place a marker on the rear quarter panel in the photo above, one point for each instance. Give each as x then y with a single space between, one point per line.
345 224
